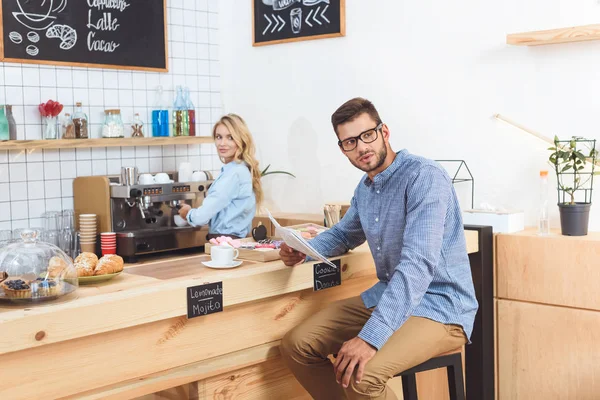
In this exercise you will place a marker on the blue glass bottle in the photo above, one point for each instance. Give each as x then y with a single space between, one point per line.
160 115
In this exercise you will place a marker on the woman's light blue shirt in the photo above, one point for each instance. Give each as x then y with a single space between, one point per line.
230 205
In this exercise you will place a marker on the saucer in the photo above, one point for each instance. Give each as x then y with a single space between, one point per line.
212 264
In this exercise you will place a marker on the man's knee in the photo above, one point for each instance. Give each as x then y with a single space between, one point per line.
292 343
370 385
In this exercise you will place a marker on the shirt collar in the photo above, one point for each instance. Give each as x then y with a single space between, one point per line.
384 175
230 165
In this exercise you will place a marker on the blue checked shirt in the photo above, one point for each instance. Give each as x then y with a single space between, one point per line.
411 218
230 203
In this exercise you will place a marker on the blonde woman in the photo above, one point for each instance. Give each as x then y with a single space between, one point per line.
234 196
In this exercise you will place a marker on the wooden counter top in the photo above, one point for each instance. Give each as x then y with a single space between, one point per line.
130 336
131 299
553 269
154 290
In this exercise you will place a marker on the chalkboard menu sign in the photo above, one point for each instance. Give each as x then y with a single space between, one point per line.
124 34
279 21
204 299
325 276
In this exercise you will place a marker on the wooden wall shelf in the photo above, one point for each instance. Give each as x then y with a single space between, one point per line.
87 143
554 36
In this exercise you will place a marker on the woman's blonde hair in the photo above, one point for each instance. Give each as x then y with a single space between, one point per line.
245 149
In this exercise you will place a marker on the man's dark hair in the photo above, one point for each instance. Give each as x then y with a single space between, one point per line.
353 109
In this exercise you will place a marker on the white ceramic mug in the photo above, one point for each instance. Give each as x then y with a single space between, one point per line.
223 255
146 179
161 177
179 221
199 176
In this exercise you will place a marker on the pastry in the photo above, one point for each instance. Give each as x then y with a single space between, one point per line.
56 267
109 264
84 270
45 287
16 288
85 264
3 276
65 33
90 259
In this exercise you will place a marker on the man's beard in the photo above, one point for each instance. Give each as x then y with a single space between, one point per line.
379 160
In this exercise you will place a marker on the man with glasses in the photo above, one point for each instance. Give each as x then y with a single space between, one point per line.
424 303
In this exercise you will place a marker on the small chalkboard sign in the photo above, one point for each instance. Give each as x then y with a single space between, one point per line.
122 34
325 276
280 21
204 299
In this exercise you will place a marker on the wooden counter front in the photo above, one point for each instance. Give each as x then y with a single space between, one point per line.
109 336
130 336
548 311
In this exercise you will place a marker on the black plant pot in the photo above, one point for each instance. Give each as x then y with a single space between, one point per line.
574 218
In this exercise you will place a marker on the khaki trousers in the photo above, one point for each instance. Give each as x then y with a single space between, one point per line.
306 347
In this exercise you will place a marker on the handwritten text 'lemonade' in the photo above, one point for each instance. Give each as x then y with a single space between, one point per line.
105 23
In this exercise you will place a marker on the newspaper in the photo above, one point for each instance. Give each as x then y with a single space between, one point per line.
295 240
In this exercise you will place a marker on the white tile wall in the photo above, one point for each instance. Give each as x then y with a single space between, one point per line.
35 181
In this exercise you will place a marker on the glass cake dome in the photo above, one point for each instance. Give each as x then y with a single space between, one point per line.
31 270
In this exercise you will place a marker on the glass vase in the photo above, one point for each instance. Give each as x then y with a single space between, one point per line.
50 128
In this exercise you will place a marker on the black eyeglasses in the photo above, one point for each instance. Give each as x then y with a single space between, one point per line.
368 136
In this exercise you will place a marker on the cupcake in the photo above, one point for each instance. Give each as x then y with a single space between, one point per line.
16 288
45 287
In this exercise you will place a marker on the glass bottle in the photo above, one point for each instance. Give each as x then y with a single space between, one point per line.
160 115
543 219
191 110
4 128
180 115
12 124
136 126
67 127
113 124
80 121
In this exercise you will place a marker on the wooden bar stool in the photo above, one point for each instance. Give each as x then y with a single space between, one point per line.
451 360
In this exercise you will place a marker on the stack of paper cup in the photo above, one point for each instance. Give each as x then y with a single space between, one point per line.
108 242
87 232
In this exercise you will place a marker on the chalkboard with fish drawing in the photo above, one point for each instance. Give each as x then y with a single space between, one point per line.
280 21
122 34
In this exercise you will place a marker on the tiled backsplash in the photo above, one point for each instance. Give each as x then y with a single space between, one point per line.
32 182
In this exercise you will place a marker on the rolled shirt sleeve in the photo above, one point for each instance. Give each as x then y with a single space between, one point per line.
343 236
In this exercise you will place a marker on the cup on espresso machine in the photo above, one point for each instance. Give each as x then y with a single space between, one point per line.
129 176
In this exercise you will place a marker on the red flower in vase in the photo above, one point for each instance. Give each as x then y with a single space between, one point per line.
50 108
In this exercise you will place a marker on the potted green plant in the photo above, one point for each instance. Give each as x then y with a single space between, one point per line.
574 162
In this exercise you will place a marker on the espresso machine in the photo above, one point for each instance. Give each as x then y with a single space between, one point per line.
142 216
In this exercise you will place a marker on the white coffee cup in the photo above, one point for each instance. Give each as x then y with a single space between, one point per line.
162 177
223 255
179 221
146 179
199 176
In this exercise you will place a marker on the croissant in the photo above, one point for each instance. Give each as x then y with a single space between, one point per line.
56 266
83 270
109 264
87 257
85 263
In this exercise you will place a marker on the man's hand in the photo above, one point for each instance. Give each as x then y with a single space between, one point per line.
290 256
184 210
354 353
